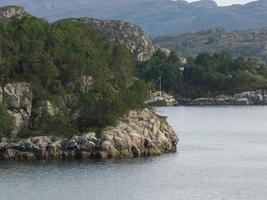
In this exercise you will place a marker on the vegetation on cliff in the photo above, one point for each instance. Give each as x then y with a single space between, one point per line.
69 64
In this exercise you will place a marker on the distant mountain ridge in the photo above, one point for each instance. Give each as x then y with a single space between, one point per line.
249 43
157 17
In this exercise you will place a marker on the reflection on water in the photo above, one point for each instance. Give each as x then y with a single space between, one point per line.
222 155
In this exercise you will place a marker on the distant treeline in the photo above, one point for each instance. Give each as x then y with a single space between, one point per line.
206 75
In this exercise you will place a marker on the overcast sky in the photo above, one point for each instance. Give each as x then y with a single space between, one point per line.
229 2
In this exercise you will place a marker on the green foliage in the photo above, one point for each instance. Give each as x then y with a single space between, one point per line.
54 57
100 107
6 122
57 125
210 75
206 75
134 96
166 67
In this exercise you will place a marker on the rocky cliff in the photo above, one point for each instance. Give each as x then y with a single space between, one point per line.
12 11
140 133
18 98
127 34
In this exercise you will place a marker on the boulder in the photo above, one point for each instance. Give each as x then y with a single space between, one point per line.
141 132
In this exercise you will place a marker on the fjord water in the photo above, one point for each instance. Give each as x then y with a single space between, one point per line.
222 155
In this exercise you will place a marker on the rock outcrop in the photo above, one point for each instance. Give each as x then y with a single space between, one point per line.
42 108
124 33
18 97
12 11
140 133
161 99
258 97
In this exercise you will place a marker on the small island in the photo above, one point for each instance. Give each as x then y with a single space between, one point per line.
67 90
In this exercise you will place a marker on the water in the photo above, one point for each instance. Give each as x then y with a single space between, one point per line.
222 156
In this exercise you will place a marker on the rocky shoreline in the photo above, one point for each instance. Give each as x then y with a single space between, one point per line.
141 133
258 97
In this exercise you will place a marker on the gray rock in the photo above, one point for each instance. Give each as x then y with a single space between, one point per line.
257 97
12 11
18 97
129 35
72 145
29 146
40 142
140 133
87 145
161 99
54 147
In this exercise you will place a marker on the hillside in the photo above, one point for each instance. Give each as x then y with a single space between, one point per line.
63 78
249 43
157 17
126 34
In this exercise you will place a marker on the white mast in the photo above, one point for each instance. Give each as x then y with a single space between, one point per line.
160 86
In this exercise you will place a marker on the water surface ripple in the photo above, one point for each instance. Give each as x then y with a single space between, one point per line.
222 156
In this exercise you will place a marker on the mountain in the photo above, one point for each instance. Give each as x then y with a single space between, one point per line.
157 17
249 43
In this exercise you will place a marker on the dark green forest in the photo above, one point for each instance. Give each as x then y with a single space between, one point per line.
206 75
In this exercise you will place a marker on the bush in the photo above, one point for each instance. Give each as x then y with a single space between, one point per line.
100 107
57 125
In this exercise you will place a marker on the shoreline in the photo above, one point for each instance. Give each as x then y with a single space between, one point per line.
142 133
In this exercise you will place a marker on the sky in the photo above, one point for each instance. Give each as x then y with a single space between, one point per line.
228 2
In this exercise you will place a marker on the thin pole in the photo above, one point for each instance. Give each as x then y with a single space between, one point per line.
160 86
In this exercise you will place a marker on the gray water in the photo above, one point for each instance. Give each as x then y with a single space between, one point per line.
222 155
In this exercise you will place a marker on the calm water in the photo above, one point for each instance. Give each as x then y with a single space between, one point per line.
222 155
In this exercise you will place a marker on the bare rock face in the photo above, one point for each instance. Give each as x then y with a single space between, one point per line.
12 11
124 33
86 83
18 97
141 133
